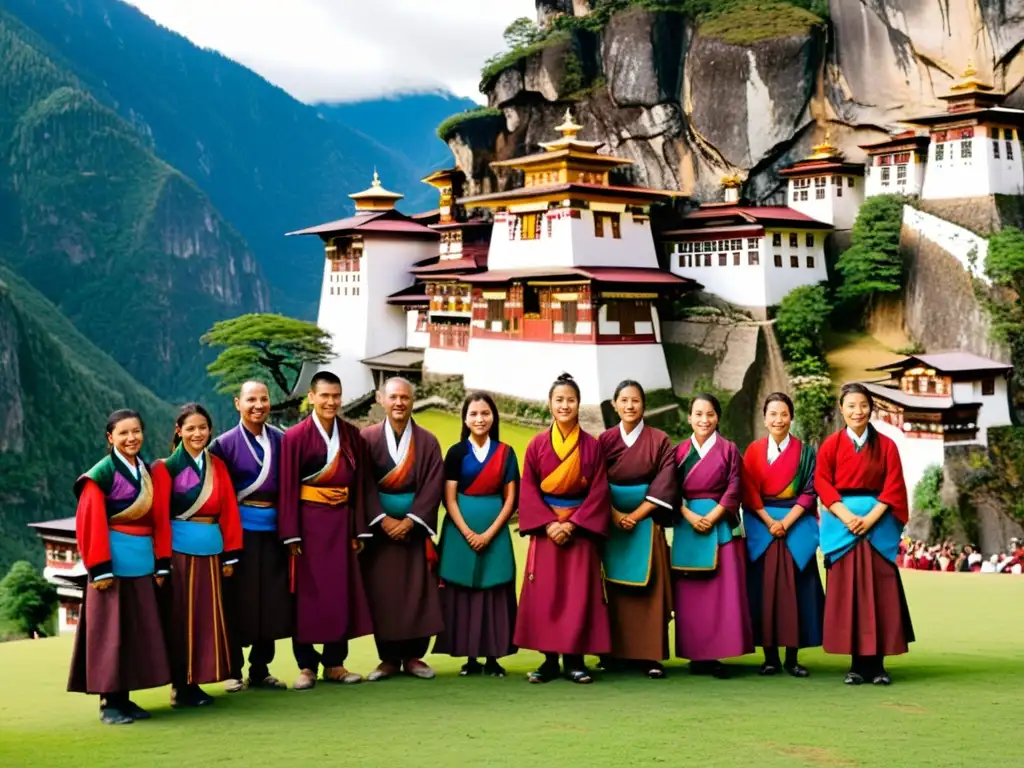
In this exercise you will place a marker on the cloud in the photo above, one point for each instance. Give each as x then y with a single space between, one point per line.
342 50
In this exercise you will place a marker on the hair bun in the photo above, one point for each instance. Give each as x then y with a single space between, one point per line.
565 377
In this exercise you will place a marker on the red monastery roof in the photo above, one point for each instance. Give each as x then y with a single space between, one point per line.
410 296
631 275
812 167
948 362
905 139
741 215
372 222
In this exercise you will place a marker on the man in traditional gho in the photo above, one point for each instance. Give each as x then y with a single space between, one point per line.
257 600
399 562
324 508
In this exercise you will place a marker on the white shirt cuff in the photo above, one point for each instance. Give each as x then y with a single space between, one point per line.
230 562
292 541
416 519
659 502
377 519
103 577
365 536
163 572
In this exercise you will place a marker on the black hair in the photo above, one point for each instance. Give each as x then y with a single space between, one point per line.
189 409
326 377
630 383
121 415
779 397
565 380
709 398
856 389
478 397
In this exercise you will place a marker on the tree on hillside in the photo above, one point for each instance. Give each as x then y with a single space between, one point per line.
521 33
801 321
815 405
266 347
873 265
1005 268
27 600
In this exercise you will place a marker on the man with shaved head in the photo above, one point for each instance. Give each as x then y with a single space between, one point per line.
257 601
398 562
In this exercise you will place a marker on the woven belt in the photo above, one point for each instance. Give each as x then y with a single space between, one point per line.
332 497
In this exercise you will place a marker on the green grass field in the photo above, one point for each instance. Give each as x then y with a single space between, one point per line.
955 701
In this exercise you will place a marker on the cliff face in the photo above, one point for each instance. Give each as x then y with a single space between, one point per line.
690 102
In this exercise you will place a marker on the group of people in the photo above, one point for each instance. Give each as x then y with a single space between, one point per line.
325 533
918 556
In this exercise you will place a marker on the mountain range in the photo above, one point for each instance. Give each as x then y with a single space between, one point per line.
145 188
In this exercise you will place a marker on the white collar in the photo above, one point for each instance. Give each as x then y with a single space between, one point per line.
479 451
199 460
134 469
398 448
776 449
858 441
262 437
629 438
702 450
332 440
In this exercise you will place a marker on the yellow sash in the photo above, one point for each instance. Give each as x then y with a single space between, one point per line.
332 497
565 479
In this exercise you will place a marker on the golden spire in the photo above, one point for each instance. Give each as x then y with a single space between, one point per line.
569 128
376 198
826 150
969 80
732 181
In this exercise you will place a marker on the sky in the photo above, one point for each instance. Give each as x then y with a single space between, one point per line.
345 50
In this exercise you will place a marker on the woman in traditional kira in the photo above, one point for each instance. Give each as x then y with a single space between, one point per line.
708 554
780 520
206 543
124 540
565 509
642 481
477 565
859 479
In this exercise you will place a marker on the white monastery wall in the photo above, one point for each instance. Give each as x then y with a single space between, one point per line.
526 369
413 338
912 184
960 243
916 454
979 173
447 362
837 207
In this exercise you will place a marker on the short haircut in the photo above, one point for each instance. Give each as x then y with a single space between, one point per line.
247 382
323 376
399 380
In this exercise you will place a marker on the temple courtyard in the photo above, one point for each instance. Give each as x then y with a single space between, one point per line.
955 701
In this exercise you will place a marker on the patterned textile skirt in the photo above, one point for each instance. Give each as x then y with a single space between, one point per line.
197 634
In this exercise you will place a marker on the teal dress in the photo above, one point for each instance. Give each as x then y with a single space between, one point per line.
478 596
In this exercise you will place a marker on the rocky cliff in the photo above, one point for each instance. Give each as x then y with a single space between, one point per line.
746 91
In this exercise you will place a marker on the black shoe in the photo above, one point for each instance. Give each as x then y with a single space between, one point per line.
656 671
190 696
493 668
580 676
135 712
796 670
545 673
114 716
882 678
471 667
768 670
853 678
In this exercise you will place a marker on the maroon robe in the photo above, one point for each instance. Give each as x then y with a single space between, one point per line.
331 602
400 581
562 607
640 615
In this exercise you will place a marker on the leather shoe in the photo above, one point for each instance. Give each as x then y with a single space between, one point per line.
234 685
114 716
419 668
269 683
383 671
341 675
305 681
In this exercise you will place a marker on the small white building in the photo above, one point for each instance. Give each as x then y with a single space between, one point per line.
751 257
974 146
64 569
368 258
897 165
939 400
826 187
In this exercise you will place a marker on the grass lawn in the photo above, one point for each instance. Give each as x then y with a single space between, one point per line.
955 702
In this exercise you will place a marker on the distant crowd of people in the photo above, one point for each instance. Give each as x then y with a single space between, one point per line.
918 556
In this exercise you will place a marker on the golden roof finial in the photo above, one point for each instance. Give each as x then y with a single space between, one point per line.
376 177
826 150
731 181
569 127
969 80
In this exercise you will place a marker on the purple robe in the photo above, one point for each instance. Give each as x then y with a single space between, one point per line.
400 578
711 611
257 599
331 603
562 608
